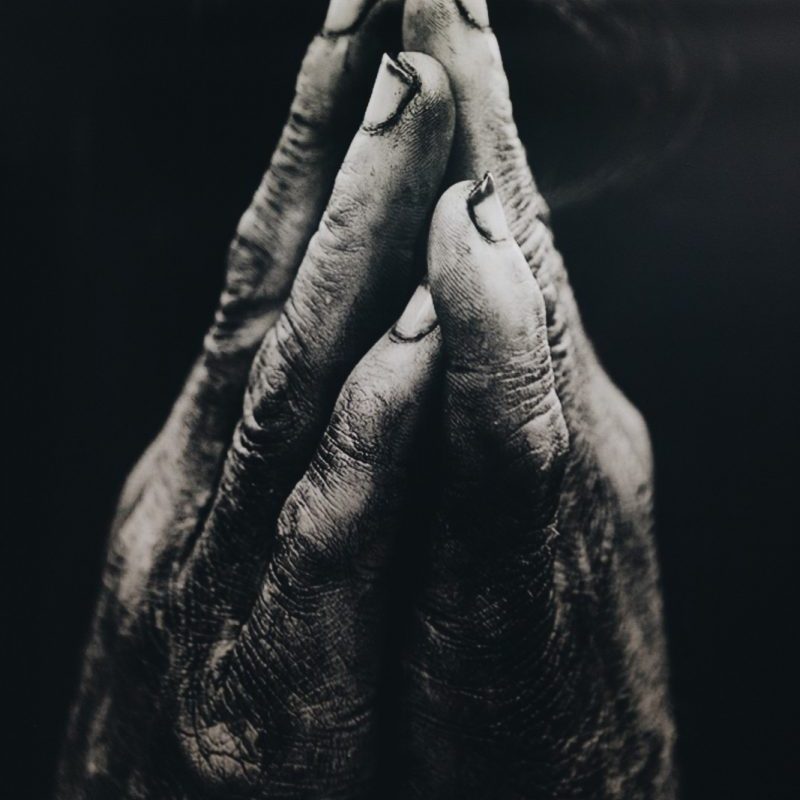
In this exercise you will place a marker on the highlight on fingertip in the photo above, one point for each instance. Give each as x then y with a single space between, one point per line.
474 12
344 16
396 84
486 210
418 318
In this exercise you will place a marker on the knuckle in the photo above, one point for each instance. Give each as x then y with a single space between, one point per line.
303 140
317 101
342 242
520 426
275 398
515 400
250 299
328 532
529 222
308 551
250 251
542 440
219 756
245 463
255 743
307 136
344 217
256 251
356 431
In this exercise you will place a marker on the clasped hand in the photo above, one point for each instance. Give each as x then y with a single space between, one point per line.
397 365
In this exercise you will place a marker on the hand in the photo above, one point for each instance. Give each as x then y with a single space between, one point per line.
235 648
537 665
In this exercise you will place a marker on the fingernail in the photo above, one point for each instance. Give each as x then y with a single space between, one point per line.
394 87
474 12
419 317
345 16
486 210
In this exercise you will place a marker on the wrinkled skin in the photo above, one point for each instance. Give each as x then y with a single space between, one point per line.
240 639
591 714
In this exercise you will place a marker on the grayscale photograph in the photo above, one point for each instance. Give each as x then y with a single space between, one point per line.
407 399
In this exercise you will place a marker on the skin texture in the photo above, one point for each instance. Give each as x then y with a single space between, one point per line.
183 688
590 709
535 662
244 633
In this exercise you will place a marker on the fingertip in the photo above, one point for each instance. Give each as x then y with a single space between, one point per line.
426 20
345 16
434 95
484 293
451 231
453 200
431 73
446 26
470 236
486 211
411 91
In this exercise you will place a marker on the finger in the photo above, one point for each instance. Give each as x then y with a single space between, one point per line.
506 435
274 232
353 281
309 657
485 616
458 34
264 255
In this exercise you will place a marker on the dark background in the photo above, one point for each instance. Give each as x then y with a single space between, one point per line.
134 134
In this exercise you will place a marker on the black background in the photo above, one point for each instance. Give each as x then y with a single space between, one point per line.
135 133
